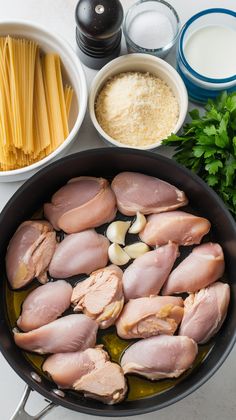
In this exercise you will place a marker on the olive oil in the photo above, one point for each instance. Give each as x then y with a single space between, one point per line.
36 360
114 344
14 301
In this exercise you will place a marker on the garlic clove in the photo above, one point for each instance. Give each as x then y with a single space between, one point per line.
138 224
136 250
116 231
117 255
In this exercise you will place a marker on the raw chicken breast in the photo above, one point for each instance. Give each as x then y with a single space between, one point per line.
83 203
176 226
100 296
144 317
79 253
205 312
45 304
90 372
202 267
106 384
66 334
66 368
146 194
160 357
29 253
147 274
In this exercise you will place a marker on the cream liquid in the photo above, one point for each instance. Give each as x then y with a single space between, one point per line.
211 51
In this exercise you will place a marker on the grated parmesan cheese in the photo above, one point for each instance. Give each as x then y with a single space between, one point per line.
137 109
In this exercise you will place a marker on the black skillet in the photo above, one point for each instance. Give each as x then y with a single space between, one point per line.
108 162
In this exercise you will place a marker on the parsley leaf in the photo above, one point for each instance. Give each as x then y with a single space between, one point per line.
213 167
207 146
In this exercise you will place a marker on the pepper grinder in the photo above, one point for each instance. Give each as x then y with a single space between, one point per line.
98 31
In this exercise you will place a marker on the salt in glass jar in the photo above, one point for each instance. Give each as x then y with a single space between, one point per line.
151 27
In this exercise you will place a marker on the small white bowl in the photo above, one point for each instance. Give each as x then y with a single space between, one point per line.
141 63
73 74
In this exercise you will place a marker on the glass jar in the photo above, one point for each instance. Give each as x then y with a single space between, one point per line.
142 15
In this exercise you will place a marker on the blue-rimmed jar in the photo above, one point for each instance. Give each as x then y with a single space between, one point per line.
201 88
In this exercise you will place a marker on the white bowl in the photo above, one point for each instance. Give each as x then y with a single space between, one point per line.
73 74
142 63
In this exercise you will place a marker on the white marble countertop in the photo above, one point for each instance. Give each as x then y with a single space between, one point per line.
216 400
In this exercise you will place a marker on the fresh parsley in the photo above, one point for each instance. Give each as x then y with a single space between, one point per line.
208 146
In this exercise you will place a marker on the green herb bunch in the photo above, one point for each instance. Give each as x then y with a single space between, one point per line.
208 146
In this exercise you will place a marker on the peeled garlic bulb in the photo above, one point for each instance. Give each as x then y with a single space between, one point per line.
117 256
136 250
138 224
116 231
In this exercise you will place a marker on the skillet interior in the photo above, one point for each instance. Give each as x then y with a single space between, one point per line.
108 162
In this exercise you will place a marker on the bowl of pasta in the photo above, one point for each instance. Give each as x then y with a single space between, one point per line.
43 98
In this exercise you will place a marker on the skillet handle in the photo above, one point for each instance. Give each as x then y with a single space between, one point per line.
21 414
